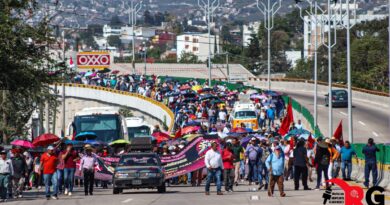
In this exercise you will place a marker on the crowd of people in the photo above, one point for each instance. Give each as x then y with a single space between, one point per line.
266 160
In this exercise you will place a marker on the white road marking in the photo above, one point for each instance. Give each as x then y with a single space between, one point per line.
127 200
375 134
254 197
362 123
343 113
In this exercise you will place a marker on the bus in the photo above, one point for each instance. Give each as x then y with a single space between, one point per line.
105 122
137 127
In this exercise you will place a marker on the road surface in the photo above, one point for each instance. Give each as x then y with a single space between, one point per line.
369 119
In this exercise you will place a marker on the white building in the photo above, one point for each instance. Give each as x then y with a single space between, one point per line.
197 44
293 57
111 31
310 27
249 30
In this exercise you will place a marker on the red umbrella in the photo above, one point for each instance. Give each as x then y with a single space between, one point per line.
22 143
115 72
239 130
160 136
45 139
189 129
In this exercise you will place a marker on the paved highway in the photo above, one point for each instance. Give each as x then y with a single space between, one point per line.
178 195
369 119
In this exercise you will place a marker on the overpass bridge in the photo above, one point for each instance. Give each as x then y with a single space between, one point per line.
80 96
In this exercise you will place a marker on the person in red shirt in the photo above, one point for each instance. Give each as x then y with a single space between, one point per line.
49 165
70 158
228 172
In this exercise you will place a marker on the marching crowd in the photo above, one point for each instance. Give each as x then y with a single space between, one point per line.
266 159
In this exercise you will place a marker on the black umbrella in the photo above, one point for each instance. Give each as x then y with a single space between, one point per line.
105 70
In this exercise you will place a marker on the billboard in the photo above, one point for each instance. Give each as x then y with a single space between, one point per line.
96 60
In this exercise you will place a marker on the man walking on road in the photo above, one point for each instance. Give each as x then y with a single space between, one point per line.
87 166
300 165
49 163
70 157
275 165
6 171
369 152
228 171
346 160
214 165
237 151
20 172
253 153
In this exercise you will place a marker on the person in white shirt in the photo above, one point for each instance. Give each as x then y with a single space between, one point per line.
299 125
6 171
214 165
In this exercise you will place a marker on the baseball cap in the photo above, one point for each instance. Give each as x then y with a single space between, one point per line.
253 138
50 148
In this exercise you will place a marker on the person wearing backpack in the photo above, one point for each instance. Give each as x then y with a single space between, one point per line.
253 154
263 172
322 160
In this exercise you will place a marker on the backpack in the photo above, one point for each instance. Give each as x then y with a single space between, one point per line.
256 150
266 153
325 159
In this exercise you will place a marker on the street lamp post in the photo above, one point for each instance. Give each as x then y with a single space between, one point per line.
134 8
269 12
316 44
348 26
209 7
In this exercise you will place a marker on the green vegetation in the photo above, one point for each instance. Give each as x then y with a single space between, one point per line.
26 67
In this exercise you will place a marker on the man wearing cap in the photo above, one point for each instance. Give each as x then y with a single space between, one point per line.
275 165
49 164
87 165
214 165
6 170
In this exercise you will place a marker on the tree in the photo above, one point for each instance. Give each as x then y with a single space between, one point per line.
253 53
148 18
116 21
25 67
225 35
114 41
158 18
188 58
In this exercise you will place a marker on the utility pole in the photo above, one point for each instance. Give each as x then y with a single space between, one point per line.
313 15
269 10
133 11
348 26
209 7
63 87
227 67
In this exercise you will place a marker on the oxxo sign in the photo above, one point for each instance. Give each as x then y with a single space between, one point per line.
97 60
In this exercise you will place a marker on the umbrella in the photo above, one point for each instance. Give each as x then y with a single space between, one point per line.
86 135
87 74
196 88
119 142
160 136
105 70
297 132
93 142
115 72
172 94
73 142
206 89
45 139
216 101
239 130
190 137
258 96
208 97
189 129
22 143
192 123
245 141
93 74
272 93
249 92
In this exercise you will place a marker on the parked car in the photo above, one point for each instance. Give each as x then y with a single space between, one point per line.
339 98
139 170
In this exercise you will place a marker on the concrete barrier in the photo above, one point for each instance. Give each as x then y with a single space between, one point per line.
121 98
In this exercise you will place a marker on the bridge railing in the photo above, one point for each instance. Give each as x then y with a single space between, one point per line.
136 101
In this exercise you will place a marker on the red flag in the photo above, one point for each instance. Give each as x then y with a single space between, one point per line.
310 142
338 133
178 133
287 120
